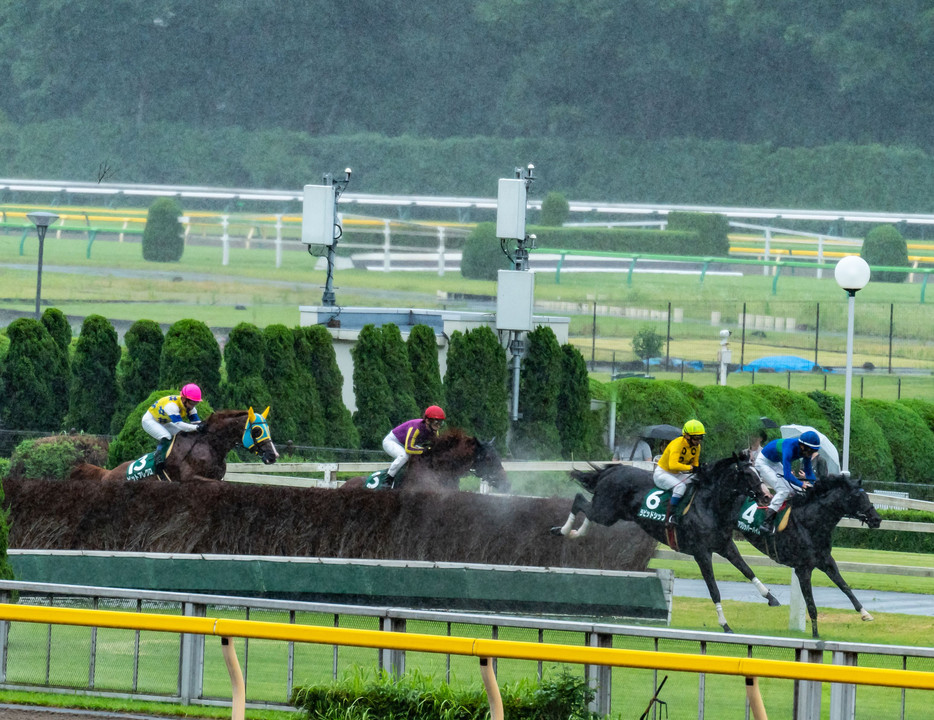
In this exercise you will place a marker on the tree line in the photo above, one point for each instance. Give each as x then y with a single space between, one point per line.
90 384
792 73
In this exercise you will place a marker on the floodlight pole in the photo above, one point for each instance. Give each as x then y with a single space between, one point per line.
327 298
41 220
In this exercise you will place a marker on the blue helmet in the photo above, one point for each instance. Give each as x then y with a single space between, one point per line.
810 439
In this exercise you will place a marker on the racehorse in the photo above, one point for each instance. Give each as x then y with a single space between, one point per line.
805 541
201 455
451 456
623 492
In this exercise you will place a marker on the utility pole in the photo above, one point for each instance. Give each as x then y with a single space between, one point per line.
321 224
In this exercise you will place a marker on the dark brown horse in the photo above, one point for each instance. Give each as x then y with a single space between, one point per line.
197 456
452 455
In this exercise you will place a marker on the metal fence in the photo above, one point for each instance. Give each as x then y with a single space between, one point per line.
161 666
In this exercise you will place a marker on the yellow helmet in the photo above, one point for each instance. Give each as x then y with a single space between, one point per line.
693 427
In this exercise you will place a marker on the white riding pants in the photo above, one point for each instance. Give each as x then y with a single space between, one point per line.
676 482
771 474
155 428
394 449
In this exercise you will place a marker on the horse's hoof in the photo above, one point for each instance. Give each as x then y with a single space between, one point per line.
773 601
727 629
556 530
864 614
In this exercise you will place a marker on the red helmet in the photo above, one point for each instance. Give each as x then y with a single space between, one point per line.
433 412
191 392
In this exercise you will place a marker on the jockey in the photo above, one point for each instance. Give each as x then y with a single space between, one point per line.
411 438
676 464
170 415
774 466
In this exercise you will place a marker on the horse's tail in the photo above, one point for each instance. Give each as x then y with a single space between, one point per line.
86 471
588 478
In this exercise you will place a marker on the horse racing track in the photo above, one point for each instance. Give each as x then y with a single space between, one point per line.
222 518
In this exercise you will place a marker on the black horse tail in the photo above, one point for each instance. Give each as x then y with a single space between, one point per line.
588 478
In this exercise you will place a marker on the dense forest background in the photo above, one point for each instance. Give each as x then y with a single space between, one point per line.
718 101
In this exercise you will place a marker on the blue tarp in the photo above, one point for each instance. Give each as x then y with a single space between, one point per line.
781 363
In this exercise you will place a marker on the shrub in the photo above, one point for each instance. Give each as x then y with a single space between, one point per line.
398 373
885 246
712 231
910 441
93 394
578 427
190 353
58 326
52 458
245 360
282 381
482 258
163 239
555 209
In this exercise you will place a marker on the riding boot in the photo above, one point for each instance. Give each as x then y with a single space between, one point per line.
390 482
766 526
158 458
671 519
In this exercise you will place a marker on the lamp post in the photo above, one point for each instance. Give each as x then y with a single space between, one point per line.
41 220
852 274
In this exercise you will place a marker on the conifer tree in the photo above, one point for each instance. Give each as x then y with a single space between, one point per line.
138 370
59 367
163 238
321 361
245 360
28 381
282 380
93 393
371 390
575 421
422 348
398 374
536 433
476 395
190 353
311 420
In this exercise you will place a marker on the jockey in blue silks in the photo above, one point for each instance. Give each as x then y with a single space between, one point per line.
774 466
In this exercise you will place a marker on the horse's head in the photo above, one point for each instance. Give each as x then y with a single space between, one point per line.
256 437
737 475
857 502
488 465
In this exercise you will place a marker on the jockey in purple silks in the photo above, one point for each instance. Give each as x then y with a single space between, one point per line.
411 438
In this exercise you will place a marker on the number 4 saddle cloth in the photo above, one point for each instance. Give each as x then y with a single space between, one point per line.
751 517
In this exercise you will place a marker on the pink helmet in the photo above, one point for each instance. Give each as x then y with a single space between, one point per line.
191 392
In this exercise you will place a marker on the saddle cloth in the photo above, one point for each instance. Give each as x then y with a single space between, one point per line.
379 480
143 467
751 517
655 504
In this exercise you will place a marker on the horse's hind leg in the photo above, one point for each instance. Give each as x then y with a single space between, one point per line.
830 570
731 553
580 504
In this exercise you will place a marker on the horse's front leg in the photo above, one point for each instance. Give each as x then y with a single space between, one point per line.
580 504
705 563
804 580
731 553
833 572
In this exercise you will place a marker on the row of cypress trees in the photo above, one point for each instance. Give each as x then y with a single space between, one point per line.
50 382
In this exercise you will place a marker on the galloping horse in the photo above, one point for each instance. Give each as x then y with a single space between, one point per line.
198 455
805 541
622 492
452 455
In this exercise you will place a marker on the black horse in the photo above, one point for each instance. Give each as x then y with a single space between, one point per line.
805 542
622 492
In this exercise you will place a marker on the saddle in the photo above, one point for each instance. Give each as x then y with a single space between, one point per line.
144 467
751 517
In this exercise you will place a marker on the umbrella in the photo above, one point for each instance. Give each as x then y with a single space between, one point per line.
826 449
661 432
768 422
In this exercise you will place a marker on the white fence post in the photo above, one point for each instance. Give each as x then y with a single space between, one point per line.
278 240
191 675
387 246
441 251
225 241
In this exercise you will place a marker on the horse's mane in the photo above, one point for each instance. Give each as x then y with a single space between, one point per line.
222 415
449 439
821 488
707 473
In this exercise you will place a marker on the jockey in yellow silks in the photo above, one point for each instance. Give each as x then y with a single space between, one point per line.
676 464
168 416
